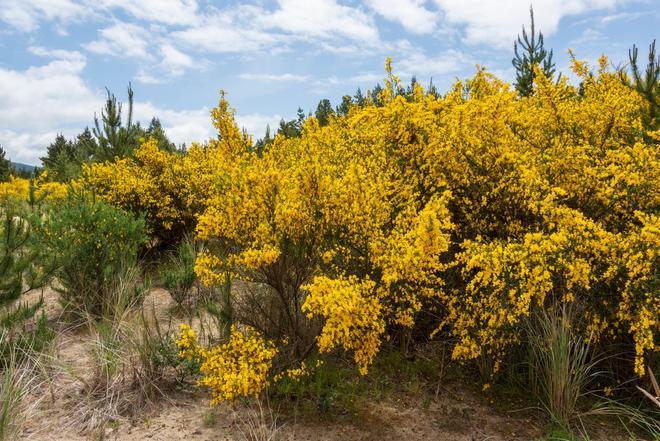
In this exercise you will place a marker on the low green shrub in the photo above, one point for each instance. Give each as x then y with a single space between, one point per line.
178 274
91 245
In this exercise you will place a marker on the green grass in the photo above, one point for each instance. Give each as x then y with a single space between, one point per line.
336 389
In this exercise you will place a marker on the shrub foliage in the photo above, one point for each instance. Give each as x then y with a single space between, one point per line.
91 245
455 216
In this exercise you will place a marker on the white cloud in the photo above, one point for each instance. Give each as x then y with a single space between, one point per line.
145 78
321 18
187 126
42 101
367 78
172 12
121 39
286 77
59 54
227 32
411 14
175 61
623 16
45 96
497 23
420 64
255 123
27 147
181 126
25 15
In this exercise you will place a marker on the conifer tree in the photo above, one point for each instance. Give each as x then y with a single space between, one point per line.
5 166
346 103
292 128
359 99
647 83
60 160
410 91
262 144
432 90
323 112
64 158
374 95
529 52
113 138
156 131
19 272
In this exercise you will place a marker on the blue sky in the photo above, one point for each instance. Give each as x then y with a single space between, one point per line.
57 56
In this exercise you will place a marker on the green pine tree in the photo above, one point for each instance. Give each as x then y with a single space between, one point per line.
346 103
262 144
647 83
359 99
324 112
292 128
374 95
62 160
409 93
156 131
5 166
114 139
532 53
21 268
432 90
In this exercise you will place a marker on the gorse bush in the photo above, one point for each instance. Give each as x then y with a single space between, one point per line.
39 190
452 216
477 207
92 246
241 367
168 188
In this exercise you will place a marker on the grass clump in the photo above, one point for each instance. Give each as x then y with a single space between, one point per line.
562 365
178 274
133 357
19 380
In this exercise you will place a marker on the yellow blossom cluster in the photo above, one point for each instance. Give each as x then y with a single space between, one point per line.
16 188
353 316
19 188
238 368
146 184
171 189
475 208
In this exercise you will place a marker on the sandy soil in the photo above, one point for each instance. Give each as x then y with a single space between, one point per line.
184 414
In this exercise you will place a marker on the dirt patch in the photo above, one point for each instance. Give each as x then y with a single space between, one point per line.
457 413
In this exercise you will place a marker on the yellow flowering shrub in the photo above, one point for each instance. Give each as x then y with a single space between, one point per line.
19 188
144 184
238 368
15 188
474 208
170 189
344 201
353 316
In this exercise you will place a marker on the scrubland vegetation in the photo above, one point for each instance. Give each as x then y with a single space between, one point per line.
499 240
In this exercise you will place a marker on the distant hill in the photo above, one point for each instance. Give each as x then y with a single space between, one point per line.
22 167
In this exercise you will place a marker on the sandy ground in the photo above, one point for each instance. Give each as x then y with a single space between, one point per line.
184 414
